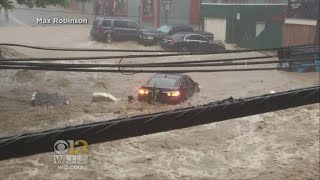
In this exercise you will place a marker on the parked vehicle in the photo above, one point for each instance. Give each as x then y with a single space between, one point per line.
152 37
191 41
107 29
168 88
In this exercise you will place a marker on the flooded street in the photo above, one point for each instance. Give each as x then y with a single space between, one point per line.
277 145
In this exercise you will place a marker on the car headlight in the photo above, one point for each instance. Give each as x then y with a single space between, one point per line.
143 91
173 93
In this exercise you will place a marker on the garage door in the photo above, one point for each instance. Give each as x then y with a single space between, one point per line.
217 26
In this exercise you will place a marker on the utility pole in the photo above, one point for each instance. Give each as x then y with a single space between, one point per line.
139 9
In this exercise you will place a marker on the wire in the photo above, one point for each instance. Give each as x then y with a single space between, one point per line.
127 74
126 50
150 65
131 57
146 71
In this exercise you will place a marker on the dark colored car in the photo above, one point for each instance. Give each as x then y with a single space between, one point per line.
108 29
168 88
191 41
151 37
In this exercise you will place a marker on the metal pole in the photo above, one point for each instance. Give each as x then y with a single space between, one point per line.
139 14
166 16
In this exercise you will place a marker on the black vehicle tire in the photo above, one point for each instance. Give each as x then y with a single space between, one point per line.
108 38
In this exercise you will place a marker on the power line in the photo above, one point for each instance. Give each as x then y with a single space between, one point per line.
122 57
126 50
150 65
164 64
146 71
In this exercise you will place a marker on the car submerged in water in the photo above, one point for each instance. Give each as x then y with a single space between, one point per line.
168 88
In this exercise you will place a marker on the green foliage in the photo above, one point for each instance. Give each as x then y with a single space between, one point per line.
83 1
6 4
41 3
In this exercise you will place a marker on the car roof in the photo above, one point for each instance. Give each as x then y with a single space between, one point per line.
184 34
188 33
177 25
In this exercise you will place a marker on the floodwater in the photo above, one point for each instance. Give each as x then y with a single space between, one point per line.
277 145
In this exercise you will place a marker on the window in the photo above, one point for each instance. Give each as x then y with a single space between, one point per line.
196 38
164 29
175 30
132 25
202 38
106 23
121 24
162 82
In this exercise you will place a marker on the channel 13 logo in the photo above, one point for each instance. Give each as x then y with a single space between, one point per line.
71 147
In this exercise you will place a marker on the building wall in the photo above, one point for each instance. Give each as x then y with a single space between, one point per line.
246 1
299 32
249 26
180 12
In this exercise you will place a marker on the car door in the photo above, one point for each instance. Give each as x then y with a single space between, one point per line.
185 87
203 43
133 29
106 25
190 85
120 29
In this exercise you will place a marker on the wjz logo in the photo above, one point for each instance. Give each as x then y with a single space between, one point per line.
71 147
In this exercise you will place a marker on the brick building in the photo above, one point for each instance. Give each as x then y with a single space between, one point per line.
149 13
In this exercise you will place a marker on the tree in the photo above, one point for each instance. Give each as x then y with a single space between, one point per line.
8 4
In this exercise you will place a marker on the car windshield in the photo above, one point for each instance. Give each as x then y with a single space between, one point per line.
162 82
164 29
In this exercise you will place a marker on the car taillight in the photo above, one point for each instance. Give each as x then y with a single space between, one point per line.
143 92
173 94
173 42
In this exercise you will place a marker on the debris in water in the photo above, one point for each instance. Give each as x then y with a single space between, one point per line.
46 99
130 99
98 97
